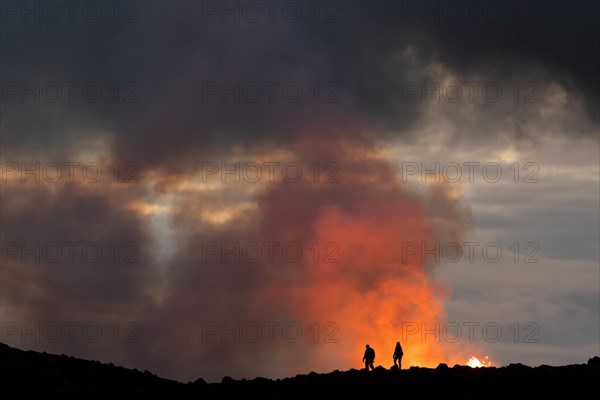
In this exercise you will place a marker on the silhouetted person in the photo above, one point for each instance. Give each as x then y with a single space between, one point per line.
369 357
398 353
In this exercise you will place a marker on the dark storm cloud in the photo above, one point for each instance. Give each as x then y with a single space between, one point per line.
73 245
174 48
77 268
495 41
208 289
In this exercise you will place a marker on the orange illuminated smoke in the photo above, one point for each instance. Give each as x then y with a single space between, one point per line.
367 288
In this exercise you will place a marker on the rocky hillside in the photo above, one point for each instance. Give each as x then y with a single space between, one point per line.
29 373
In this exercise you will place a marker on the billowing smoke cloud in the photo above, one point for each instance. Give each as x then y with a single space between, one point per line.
318 272
75 264
300 279
182 56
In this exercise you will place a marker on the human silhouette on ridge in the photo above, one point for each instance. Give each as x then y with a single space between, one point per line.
369 357
398 353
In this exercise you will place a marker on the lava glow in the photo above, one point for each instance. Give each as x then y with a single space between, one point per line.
474 362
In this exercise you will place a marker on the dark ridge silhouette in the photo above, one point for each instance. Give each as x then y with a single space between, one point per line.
30 373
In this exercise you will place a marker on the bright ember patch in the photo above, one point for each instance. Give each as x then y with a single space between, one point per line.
474 362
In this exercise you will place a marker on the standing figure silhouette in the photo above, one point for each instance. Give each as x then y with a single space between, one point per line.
369 357
398 353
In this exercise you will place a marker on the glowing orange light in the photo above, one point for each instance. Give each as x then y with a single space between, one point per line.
474 362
